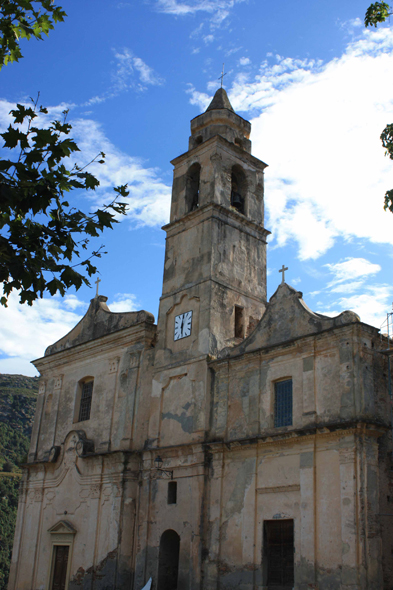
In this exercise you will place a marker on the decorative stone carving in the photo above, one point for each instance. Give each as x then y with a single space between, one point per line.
58 382
54 454
113 365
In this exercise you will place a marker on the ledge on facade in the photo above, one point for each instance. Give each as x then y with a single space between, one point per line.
373 428
99 321
286 318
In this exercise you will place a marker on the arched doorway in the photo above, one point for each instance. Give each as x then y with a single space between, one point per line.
168 560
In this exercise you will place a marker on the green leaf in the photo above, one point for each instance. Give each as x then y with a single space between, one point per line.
38 245
376 13
389 201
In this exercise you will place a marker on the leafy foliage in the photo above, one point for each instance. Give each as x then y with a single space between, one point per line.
387 142
22 19
18 396
38 226
377 13
9 487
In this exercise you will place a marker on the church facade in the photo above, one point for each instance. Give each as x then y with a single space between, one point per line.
237 443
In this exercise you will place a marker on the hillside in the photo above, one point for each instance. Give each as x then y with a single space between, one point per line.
18 396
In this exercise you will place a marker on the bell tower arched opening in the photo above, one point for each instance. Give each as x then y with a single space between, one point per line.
238 189
192 188
168 560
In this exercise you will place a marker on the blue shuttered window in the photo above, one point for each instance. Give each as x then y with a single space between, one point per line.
283 403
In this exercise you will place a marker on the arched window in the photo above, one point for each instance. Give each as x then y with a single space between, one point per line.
168 560
238 189
192 187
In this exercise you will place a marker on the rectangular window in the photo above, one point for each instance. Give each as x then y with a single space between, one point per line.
239 329
283 403
172 492
86 397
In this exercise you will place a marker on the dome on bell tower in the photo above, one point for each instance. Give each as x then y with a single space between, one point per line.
220 101
220 119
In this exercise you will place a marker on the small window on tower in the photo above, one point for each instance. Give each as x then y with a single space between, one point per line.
192 188
238 189
172 492
239 323
283 403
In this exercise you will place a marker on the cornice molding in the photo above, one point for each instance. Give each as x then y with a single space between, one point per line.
140 333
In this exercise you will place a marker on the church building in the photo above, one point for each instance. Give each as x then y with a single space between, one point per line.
237 443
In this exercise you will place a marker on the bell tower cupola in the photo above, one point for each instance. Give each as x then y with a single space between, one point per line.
220 119
214 287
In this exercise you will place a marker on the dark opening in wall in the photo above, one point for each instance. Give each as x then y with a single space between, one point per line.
278 550
239 322
168 561
172 492
238 189
192 187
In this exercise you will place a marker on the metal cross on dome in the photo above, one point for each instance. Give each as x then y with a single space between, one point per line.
283 269
222 74
97 282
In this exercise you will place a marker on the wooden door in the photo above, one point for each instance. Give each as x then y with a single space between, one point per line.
60 567
279 550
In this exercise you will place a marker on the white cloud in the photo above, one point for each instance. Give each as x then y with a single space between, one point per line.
348 287
124 302
131 72
244 61
27 331
149 198
318 126
72 302
351 268
200 99
218 10
127 64
351 275
371 305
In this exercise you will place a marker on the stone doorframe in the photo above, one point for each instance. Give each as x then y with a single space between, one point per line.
62 533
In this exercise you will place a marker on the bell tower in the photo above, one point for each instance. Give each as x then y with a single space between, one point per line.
214 286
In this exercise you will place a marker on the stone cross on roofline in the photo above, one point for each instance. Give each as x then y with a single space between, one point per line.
283 269
222 74
97 282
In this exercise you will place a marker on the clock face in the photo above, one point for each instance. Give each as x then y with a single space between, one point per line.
183 325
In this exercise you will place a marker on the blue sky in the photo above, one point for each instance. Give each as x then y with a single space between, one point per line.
318 90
